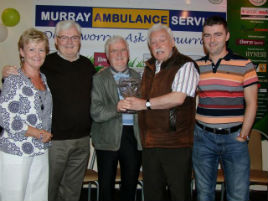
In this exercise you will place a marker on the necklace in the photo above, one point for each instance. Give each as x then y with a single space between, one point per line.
42 97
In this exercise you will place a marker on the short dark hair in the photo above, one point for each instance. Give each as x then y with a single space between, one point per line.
216 20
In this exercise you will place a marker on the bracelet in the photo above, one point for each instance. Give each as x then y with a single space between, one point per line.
244 137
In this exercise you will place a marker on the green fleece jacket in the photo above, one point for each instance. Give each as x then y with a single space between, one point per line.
106 130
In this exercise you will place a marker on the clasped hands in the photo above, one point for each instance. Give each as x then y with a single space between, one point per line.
40 134
45 136
131 103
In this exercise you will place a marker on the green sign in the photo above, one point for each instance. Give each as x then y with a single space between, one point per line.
248 26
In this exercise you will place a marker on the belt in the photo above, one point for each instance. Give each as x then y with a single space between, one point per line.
222 131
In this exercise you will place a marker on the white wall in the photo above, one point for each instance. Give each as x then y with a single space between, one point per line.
8 48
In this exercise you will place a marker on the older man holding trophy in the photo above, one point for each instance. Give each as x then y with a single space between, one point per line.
115 133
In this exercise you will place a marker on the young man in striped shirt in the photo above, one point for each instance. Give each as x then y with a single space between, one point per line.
225 114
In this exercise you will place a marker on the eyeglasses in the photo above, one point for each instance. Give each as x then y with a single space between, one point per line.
66 38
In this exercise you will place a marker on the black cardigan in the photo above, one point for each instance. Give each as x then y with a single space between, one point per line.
70 84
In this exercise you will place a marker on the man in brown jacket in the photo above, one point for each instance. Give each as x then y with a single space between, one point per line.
166 117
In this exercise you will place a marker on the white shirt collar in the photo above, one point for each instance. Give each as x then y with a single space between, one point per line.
157 66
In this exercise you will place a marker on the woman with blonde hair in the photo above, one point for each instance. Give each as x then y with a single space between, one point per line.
25 115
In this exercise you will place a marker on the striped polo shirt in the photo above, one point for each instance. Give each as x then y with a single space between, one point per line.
221 89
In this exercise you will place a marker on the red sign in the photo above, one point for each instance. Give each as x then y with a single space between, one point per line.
100 59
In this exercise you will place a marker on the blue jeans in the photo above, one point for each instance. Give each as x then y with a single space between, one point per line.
209 149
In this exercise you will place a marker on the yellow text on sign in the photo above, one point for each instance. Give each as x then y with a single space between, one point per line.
128 18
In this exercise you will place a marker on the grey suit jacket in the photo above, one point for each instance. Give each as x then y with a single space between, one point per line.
107 124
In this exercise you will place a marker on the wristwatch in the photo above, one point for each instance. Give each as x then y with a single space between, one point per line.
148 104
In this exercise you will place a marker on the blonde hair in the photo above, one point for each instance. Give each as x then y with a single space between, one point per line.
32 35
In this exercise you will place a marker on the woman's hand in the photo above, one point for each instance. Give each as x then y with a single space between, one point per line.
43 135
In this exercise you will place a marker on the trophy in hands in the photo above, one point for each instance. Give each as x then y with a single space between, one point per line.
129 87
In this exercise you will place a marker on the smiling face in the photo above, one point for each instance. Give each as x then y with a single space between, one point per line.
68 43
118 55
161 45
34 54
215 38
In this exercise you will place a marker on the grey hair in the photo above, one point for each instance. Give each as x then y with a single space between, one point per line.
66 24
114 39
158 27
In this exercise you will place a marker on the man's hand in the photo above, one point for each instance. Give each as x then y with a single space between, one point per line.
122 106
9 70
136 104
241 139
